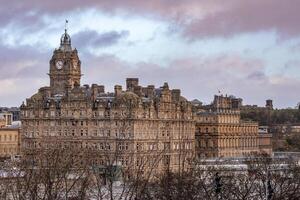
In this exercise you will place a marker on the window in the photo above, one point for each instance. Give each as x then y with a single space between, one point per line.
101 146
123 146
166 145
166 160
139 146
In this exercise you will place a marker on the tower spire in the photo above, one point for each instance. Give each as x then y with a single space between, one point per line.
65 40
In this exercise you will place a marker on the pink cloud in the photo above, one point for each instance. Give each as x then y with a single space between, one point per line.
249 16
205 18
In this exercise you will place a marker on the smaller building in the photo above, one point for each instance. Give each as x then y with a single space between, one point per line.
220 131
6 119
265 140
9 142
14 110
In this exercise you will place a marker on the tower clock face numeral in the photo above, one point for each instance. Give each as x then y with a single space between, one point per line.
59 64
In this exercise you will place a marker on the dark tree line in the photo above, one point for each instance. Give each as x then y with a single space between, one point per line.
266 117
55 177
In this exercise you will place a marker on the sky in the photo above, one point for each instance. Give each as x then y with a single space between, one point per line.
246 48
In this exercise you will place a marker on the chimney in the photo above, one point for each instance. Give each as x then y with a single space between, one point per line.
86 86
101 89
269 104
176 94
131 83
97 89
138 90
148 91
118 90
237 103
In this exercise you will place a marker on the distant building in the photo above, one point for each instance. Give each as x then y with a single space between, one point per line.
14 110
220 132
265 140
6 119
10 141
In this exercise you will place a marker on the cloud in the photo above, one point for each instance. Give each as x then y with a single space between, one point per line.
22 61
93 39
198 19
198 77
247 17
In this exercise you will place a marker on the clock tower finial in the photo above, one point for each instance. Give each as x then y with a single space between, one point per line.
65 40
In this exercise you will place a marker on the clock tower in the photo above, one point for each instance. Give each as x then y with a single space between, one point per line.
65 67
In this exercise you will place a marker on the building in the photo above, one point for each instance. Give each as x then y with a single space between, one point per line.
14 110
220 132
9 142
6 119
136 123
9 135
265 140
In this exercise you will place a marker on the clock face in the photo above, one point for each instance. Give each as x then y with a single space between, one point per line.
75 64
59 64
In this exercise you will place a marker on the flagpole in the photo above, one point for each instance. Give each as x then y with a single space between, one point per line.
66 25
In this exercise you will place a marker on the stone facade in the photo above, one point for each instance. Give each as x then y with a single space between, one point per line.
220 132
135 123
9 142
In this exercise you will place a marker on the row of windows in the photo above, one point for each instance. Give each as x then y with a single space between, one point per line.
8 150
229 129
219 119
228 142
81 132
76 123
8 138
123 146
107 114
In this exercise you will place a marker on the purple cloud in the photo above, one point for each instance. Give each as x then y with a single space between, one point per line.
93 39
22 61
206 18
249 16
198 77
